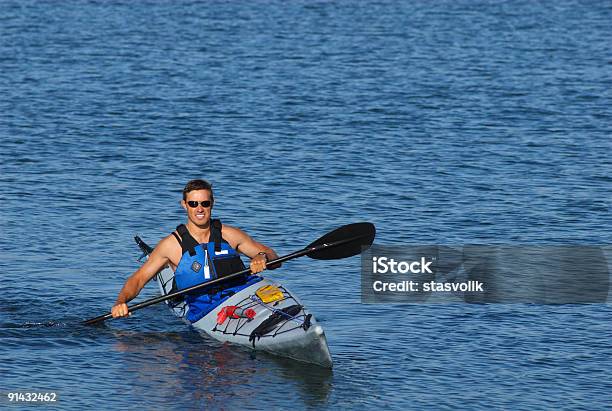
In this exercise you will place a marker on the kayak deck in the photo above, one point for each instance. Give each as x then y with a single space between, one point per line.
282 327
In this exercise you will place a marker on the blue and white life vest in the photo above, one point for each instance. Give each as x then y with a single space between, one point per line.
204 262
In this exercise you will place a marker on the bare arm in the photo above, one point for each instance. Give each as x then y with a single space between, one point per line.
243 243
158 259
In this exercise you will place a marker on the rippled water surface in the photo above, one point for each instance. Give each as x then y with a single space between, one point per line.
441 122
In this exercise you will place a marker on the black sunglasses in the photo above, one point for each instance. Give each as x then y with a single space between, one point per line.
194 204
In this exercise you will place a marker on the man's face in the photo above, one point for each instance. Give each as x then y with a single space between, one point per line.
199 214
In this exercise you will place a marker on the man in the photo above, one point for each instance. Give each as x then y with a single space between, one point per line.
200 251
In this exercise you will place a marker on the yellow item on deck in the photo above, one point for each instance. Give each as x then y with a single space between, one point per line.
269 293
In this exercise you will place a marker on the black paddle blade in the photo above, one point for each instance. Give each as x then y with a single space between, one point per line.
343 242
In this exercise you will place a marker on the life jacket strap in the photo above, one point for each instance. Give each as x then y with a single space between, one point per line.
215 234
188 243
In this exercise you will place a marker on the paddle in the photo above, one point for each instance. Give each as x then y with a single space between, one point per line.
343 242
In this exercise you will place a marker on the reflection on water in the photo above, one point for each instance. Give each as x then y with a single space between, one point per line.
197 370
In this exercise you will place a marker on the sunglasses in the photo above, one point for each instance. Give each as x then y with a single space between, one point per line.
194 204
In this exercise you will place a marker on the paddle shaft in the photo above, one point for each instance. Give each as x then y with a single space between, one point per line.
170 296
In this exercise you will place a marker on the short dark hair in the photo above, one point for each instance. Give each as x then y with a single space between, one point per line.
197 185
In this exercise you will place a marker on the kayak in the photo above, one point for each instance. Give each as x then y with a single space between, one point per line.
261 315
264 316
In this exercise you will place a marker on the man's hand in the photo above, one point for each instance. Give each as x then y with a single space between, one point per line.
120 310
258 263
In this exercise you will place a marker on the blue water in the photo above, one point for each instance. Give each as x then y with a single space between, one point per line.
441 122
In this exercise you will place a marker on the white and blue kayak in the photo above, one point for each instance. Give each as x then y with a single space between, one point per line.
264 316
